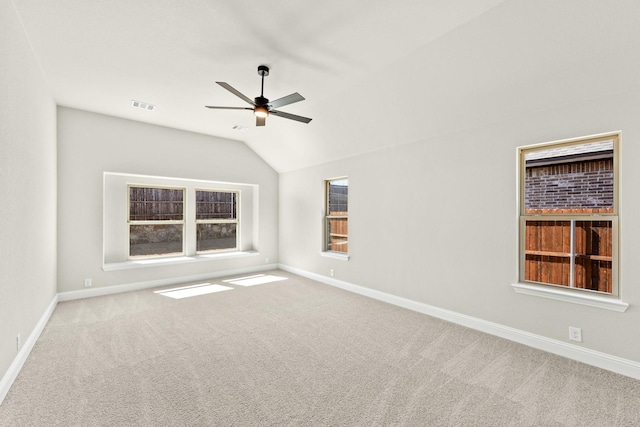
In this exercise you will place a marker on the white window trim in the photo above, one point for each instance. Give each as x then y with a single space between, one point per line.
325 251
235 221
575 297
554 292
335 255
161 261
156 222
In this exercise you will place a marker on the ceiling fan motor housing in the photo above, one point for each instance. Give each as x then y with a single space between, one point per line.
263 70
261 100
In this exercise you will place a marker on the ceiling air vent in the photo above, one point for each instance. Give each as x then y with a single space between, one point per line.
240 128
143 105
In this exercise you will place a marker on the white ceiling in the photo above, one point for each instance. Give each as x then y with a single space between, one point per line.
374 73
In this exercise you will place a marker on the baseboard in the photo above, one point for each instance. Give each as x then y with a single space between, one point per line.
606 361
136 286
595 358
14 369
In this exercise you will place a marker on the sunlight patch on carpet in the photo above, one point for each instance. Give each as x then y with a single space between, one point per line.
192 291
258 279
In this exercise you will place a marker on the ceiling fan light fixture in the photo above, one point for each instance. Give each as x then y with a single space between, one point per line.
261 111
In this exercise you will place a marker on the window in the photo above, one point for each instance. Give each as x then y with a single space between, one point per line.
203 221
568 214
337 215
216 220
156 221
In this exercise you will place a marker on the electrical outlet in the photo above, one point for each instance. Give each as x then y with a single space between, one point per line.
87 283
332 272
266 260
18 342
575 334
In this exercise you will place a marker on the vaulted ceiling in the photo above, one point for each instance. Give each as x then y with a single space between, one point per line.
374 73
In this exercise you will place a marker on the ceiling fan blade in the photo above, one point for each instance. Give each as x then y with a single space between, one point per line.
237 93
260 121
286 100
228 108
290 116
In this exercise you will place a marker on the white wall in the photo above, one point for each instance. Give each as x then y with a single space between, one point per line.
434 219
27 188
90 144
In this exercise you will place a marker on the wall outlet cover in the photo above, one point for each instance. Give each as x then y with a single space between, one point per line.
575 334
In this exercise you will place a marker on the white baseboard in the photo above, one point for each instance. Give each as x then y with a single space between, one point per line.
116 289
595 358
606 361
14 369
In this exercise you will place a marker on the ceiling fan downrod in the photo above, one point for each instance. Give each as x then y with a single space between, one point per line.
263 71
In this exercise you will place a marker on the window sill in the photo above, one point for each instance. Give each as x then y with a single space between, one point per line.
335 255
572 297
155 262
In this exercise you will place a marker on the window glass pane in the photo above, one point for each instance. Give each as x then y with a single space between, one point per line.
593 252
338 234
216 205
548 252
549 255
216 236
570 179
338 197
155 239
155 204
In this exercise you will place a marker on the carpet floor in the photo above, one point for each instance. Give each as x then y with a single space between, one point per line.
277 349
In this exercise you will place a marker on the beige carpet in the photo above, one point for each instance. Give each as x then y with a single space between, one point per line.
294 353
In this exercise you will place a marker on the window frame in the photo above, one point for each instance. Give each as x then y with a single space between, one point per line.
156 222
613 216
328 217
235 221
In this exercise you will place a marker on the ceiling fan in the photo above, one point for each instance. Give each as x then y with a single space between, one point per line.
262 107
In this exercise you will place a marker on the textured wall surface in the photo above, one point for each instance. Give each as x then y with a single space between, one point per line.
91 144
450 239
27 166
